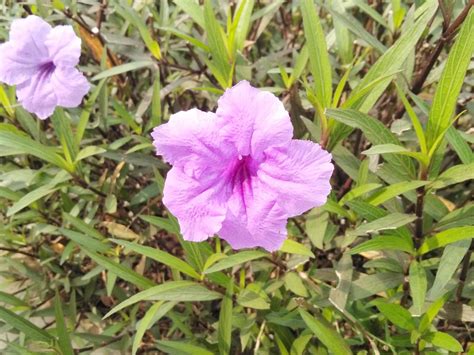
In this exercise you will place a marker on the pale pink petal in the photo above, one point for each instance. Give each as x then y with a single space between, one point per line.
198 205
21 57
253 120
298 174
64 47
37 95
191 133
254 219
70 86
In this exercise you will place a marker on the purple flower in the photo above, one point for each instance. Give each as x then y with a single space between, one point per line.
40 61
238 173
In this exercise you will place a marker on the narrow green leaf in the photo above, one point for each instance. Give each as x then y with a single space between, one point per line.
236 259
193 9
123 68
452 78
26 145
325 333
448 264
376 133
61 329
459 144
132 16
359 191
391 221
180 347
454 175
178 291
394 58
155 313
216 42
293 247
396 314
418 286
224 330
444 341
121 271
446 237
318 53
384 242
24 326
160 256
394 190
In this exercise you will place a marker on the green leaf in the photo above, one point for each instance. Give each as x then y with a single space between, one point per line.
236 259
431 312
62 127
394 190
86 241
295 284
123 68
396 314
369 285
444 341
391 221
131 16
253 297
180 348
376 133
292 247
83 227
318 53
12 300
418 286
394 58
393 149
358 191
325 333
461 147
154 313
446 237
63 334
38 193
26 145
384 242
448 264
453 175
353 25
162 223
87 111
178 291
449 86
25 326
160 256
224 330
89 151
193 9
216 42
121 271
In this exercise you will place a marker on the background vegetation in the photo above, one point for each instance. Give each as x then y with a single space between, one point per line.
91 261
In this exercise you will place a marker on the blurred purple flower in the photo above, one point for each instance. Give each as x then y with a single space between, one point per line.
238 173
40 61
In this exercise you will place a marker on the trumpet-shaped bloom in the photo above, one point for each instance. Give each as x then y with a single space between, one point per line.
40 61
238 173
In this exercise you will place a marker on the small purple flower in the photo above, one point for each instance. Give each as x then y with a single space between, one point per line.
238 173
40 61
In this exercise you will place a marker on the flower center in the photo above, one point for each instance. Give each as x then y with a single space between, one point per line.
242 171
47 68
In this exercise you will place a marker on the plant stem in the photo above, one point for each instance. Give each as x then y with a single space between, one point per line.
464 270
420 199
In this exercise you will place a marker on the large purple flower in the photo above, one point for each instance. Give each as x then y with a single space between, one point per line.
40 61
238 173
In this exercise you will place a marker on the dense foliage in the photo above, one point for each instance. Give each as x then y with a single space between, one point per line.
91 260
